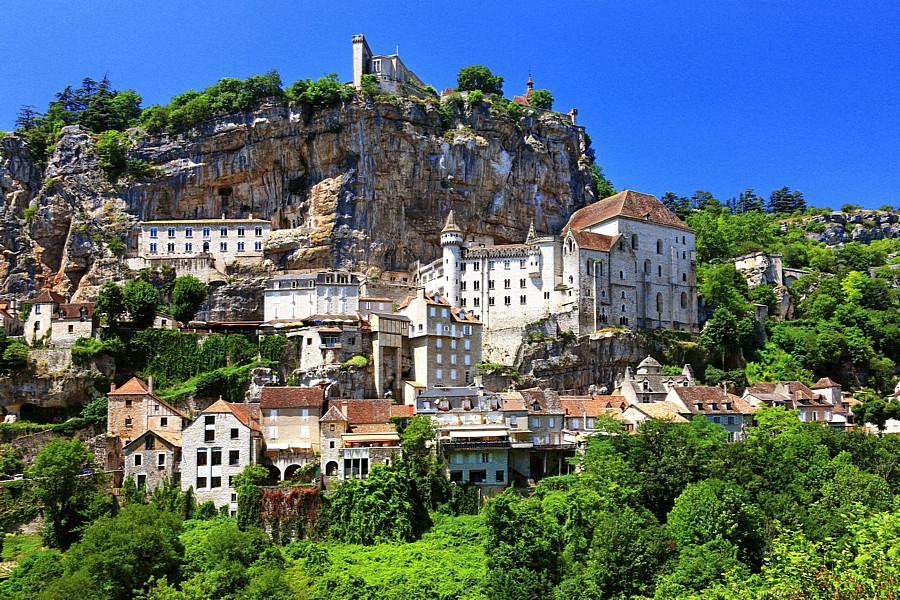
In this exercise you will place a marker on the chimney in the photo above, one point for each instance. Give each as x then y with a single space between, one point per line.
150 384
344 405
112 386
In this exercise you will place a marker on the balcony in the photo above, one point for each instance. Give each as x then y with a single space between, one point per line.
461 445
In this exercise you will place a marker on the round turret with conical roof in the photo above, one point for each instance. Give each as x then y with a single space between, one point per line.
451 243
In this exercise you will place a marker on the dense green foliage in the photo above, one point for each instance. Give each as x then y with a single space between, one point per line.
110 303
541 99
187 297
479 77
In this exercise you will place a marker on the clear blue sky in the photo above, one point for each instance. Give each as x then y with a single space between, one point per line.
677 96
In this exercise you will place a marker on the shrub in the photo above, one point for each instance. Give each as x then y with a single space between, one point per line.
30 212
369 84
357 362
430 90
479 77
541 99
476 96
116 245
111 149
849 208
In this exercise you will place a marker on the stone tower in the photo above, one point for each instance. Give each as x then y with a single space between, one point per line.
362 56
451 243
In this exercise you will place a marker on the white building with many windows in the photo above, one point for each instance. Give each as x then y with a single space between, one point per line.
623 261
222 240
295 297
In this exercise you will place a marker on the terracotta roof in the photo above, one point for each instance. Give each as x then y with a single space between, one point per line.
825 382
711 399
629 204
593 241
241 412
48 296
770 399
133 386
592 406
291 397
450 224
547 401
9 315
667 411
795 389
405 411
333 415
760 388
73 311
512 401
376 410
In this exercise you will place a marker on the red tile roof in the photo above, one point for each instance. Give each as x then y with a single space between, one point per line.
547 401
47 296
593 241
760 388
333 415
376 410
710 399
825 382
628 204
405 411
133 386
291 397
241 412
592 406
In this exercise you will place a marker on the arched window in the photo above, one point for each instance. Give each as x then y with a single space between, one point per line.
659 270
647 267
683 254
659 246
684 276
623 308
682 240
634 242
659 303
683 300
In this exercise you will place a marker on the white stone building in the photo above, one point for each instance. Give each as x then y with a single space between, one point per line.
224 439
58 322
295 297
392 74
223 240
622 261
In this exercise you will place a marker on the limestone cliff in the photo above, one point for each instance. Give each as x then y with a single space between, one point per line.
364 186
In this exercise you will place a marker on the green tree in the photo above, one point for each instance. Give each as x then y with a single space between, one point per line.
876 410
724 286
142 300
187 297
10 463
68 499
110 303
32 575
121 555
249 493
603 187
479 77
15 355
541 99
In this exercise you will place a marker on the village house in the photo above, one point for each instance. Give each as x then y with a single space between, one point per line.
445 342
12 324
473 434
650 383
718 406
323 339
357 434
152 458
623 261
822 402
58 322
390 338
289 420
217 445
636 414
546 421
582 415
132 410
298 296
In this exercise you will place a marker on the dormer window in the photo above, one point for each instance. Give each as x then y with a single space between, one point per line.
535 407
445 404
467 404
646 385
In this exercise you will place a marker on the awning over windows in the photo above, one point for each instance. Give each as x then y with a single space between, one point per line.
479 433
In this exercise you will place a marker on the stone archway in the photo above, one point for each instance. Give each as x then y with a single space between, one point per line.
331 469
274 472
290 471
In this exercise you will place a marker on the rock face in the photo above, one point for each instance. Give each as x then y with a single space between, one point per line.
860 226
363 186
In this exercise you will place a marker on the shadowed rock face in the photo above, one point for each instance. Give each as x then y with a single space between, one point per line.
363 187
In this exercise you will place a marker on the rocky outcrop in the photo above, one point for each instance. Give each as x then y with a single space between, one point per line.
860 226
364 186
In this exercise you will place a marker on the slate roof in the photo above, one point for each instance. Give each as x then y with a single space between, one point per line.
629 204
712 400
449 392
291 397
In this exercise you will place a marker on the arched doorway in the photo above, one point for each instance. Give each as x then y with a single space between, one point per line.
331 469
274 473
291 471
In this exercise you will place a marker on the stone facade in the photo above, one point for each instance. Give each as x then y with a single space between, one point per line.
222 240
133 409
445 342
718 406
393 76
295 297
152 458
623 261
289 420
223 440
650 384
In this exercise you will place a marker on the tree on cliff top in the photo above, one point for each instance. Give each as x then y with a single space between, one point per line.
141 300
479 77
